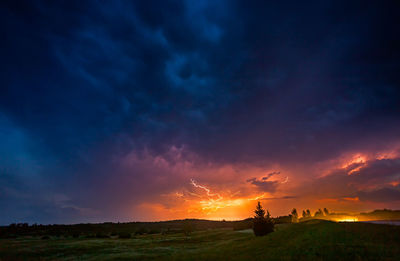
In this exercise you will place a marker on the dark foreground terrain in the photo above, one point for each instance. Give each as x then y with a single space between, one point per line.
312 240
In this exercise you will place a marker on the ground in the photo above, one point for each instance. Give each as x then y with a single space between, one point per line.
313 240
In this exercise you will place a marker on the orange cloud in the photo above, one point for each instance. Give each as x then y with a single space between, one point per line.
227 191
355 199
356 159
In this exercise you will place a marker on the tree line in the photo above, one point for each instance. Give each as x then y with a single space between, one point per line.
263 224
307 214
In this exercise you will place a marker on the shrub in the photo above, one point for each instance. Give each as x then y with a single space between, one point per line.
262 227
141 231
101 235
188 228
154 231
124 235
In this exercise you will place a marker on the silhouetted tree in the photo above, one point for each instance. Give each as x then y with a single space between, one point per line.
319 213
262 224
304 214
308 213
268 216
295 216
260 212
326 211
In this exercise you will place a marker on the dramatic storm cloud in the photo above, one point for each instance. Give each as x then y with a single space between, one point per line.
150 110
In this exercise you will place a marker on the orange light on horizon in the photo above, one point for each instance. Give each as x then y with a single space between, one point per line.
347 219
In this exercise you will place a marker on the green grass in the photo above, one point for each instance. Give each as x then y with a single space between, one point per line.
314 240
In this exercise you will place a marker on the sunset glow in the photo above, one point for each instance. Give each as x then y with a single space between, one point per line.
212 204
149 111
347 219
199 130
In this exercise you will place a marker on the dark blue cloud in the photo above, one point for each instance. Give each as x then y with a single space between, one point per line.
288 82
380 195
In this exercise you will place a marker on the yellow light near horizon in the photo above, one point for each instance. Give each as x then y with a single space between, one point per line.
211 203
347 219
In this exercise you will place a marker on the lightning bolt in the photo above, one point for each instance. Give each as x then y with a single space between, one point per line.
215 201
286 180
193 182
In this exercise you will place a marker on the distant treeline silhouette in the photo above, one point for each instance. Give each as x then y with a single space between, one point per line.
263 224
109 229
186 226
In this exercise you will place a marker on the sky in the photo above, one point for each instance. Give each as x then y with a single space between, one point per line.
158 110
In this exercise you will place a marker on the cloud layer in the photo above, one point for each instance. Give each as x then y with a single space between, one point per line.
108 111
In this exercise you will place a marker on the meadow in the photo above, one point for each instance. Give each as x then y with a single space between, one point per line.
310 240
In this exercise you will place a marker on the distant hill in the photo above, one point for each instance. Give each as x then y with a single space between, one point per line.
380 214
108 228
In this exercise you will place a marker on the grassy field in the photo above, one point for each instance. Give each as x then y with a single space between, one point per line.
313 240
